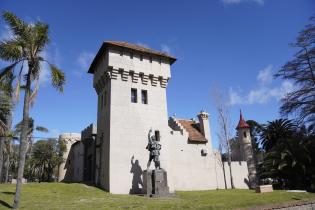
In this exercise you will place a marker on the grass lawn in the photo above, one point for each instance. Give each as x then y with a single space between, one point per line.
79 196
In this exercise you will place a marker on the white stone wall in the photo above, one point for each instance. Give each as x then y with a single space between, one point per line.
129 127
189 170
239 173
125 62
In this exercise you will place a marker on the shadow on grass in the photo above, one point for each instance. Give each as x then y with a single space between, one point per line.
8 193
5 204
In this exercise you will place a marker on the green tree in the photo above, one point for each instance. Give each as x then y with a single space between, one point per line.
301 70
44 160
288 159
26 47
276 132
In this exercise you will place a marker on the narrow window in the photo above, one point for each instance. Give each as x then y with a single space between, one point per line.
150 59
157 135
133 95
144 96
245 135
131 55
141 57
160 60
121 53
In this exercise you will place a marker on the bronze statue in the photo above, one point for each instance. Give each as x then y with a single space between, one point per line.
154 147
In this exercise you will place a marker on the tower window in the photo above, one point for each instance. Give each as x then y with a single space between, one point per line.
144 96
150 59
245 134
157 135
141 57
131 55
121 53
133 95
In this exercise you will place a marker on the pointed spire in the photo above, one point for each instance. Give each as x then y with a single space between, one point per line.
242 123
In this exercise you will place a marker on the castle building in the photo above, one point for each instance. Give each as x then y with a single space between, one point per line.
131 83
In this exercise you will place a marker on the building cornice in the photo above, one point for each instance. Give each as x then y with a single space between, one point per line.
124 75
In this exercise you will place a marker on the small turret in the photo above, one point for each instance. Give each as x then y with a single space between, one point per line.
243 130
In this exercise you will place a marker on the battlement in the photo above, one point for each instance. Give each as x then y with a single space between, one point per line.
129 62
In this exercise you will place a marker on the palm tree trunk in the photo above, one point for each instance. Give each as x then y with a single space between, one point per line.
7 168
8 140
23 139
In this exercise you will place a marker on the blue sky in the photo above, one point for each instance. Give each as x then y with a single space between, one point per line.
233 45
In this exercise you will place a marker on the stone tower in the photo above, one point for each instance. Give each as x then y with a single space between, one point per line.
130 81
69 139
243 130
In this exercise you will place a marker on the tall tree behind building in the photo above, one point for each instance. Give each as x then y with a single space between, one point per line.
301 70
225 129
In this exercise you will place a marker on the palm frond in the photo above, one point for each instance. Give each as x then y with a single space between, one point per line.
35 72
3 128
5 105
11 50
18 85
17 90
18 26
57 78
8 69
41 31
42 129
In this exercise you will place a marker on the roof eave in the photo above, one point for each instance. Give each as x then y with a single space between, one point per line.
106 44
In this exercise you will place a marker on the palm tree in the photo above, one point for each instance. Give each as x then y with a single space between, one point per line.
6 106
276 132
288 158
26 47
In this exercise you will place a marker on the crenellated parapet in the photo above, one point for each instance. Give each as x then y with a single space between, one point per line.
129 76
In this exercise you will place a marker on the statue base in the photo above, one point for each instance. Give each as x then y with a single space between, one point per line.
155 183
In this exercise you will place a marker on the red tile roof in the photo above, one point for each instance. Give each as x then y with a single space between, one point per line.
195 135
242 123
127 45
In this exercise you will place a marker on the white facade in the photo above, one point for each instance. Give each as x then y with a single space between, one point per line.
123 126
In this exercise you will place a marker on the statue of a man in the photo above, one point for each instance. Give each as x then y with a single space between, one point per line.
154 148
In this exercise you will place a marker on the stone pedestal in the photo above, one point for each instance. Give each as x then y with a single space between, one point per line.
264 188
155 183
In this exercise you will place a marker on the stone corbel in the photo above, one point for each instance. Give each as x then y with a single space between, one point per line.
144 79
154 80
135 77
163 82
114 73
124 75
